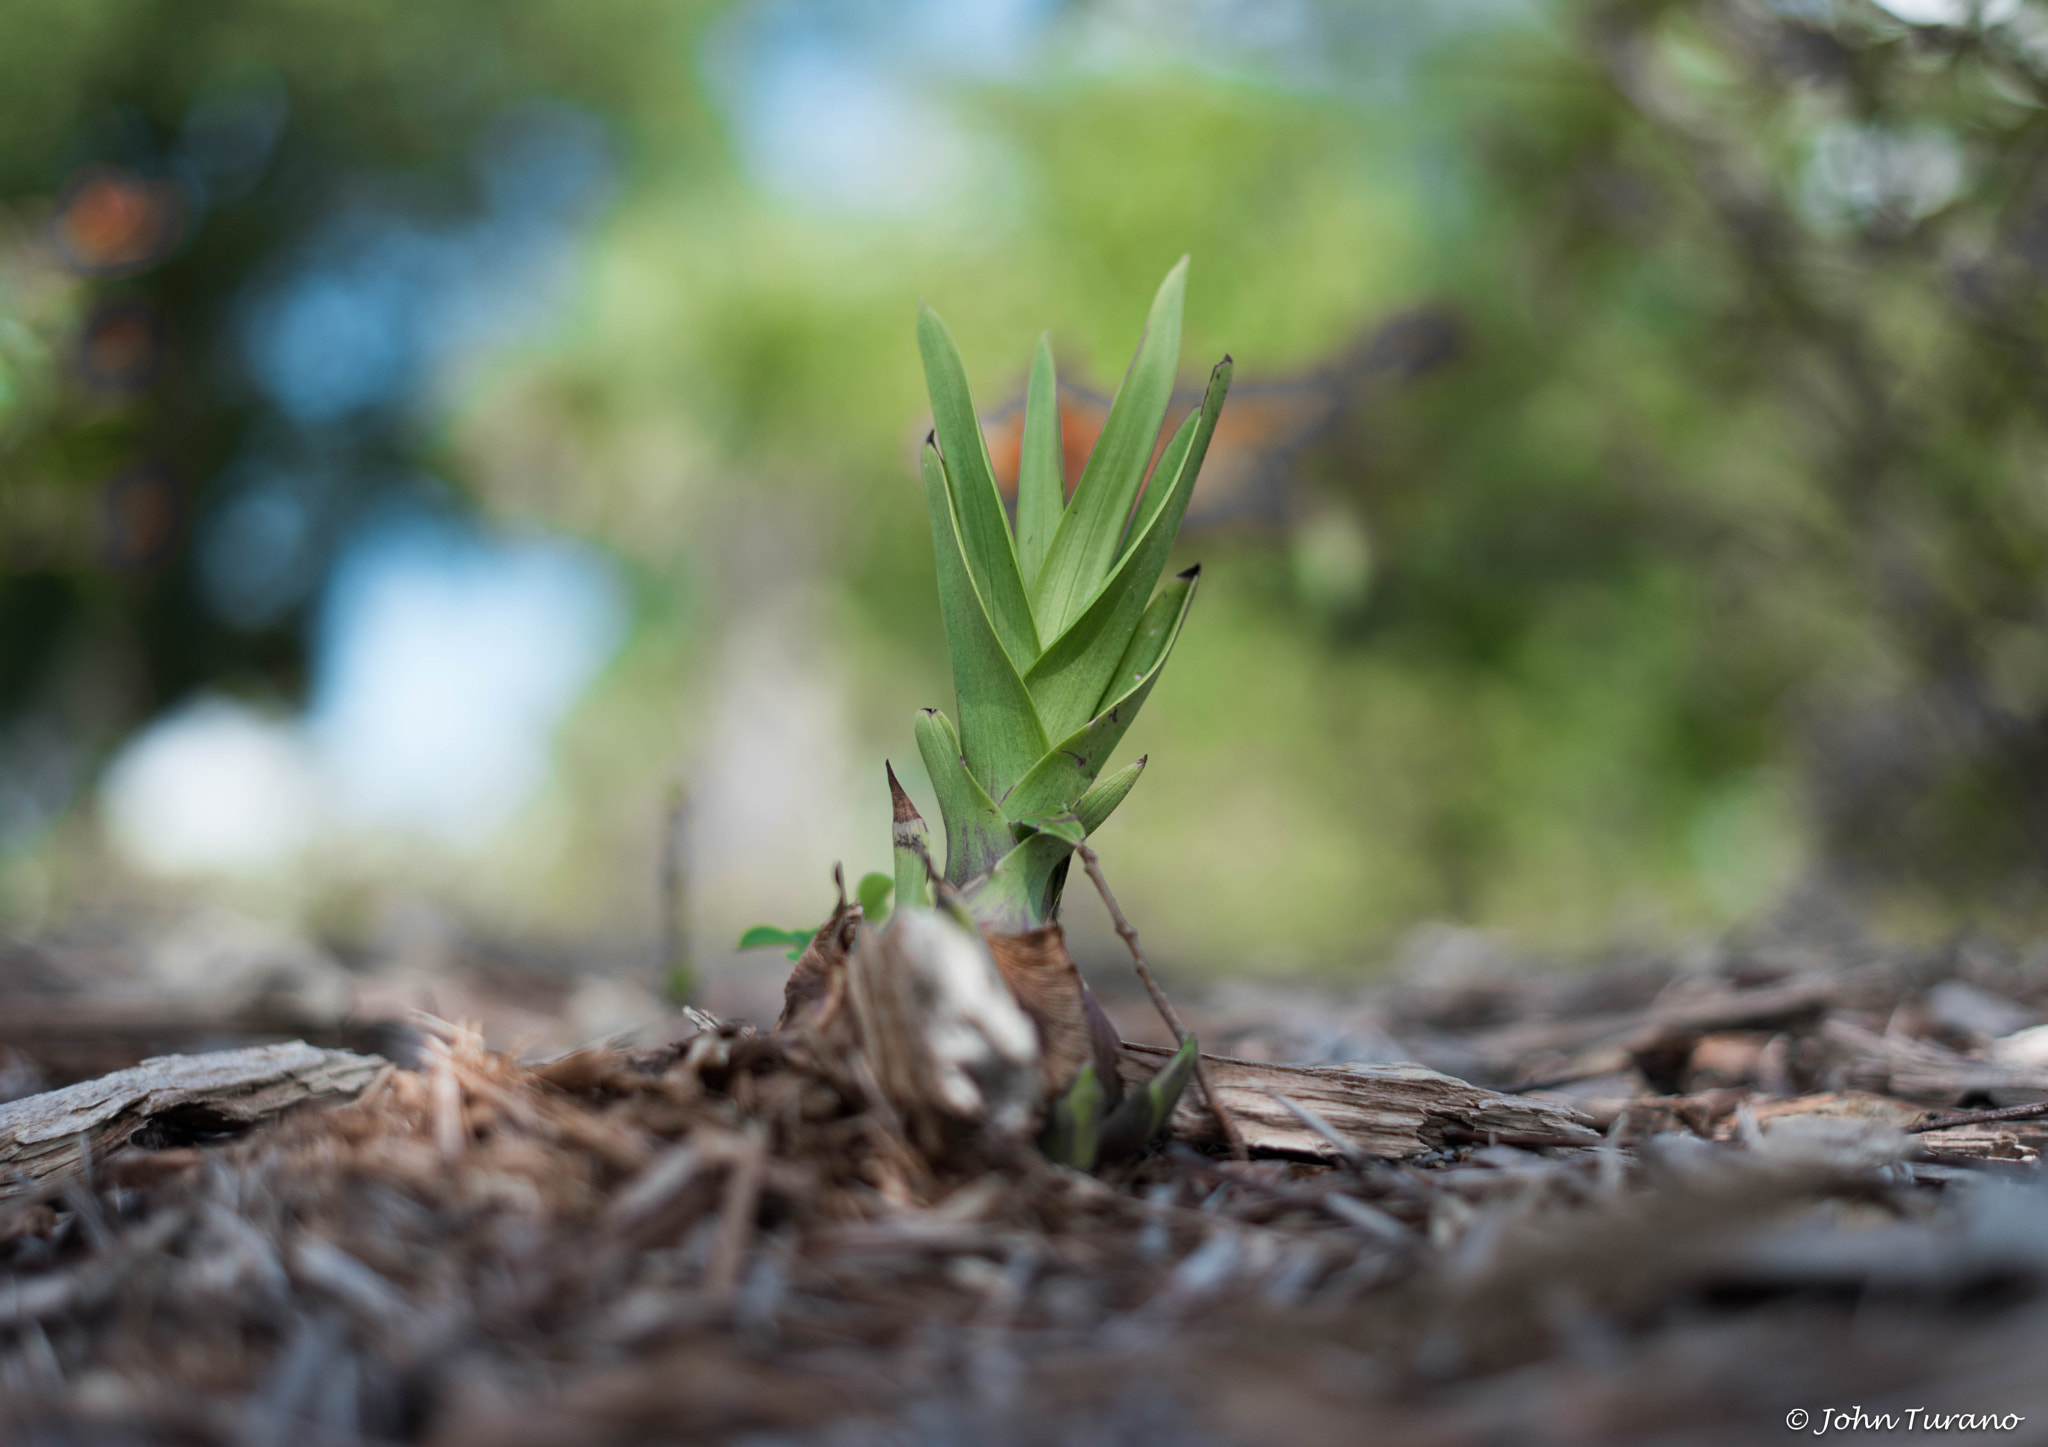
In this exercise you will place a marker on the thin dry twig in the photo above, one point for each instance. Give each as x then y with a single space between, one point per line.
2032 1110
1164 1006
736 1229
451 1131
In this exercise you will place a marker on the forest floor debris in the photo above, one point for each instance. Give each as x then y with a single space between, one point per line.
1813 1183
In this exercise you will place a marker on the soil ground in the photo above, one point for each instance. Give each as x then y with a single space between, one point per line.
1816 1188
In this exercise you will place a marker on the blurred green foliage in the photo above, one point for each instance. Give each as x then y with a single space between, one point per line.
1704 561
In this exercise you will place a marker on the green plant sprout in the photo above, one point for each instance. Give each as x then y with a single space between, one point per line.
1054 628
1058 628
1055 631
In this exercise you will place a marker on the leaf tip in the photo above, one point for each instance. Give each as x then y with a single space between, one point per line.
899 800
1189 574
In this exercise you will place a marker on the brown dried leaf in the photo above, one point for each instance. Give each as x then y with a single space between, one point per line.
1072 1029
817 976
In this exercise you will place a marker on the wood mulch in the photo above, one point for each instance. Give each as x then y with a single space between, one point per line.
1672 1205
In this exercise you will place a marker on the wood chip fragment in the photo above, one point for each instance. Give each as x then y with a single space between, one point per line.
1664 1026
1389 1111
1922 1070
47 1135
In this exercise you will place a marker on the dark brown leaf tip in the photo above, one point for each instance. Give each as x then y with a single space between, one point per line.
1190 574
905 811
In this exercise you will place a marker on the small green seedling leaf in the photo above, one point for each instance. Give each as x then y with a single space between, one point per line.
1138 1121
874 893
1073 1125
798 940
1163 1090
1094 807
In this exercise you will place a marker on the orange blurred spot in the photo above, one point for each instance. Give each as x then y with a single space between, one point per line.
1081 417
113 221
1251 427
1264 426
122 345
140 513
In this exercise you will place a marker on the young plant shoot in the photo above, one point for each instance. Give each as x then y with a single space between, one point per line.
1058 629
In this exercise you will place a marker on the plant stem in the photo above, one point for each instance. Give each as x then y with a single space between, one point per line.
1159 1001
673 968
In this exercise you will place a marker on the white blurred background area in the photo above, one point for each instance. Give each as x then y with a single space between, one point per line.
446 660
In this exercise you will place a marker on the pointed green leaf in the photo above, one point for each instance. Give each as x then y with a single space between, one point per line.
1074 1122
977 507
1143 1114
1086 543
1095 806
999 728
1163 1091
1163 478
977 834
1020 893
910 841
1065 772
1152 638
1041 474
874 893
1072 678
